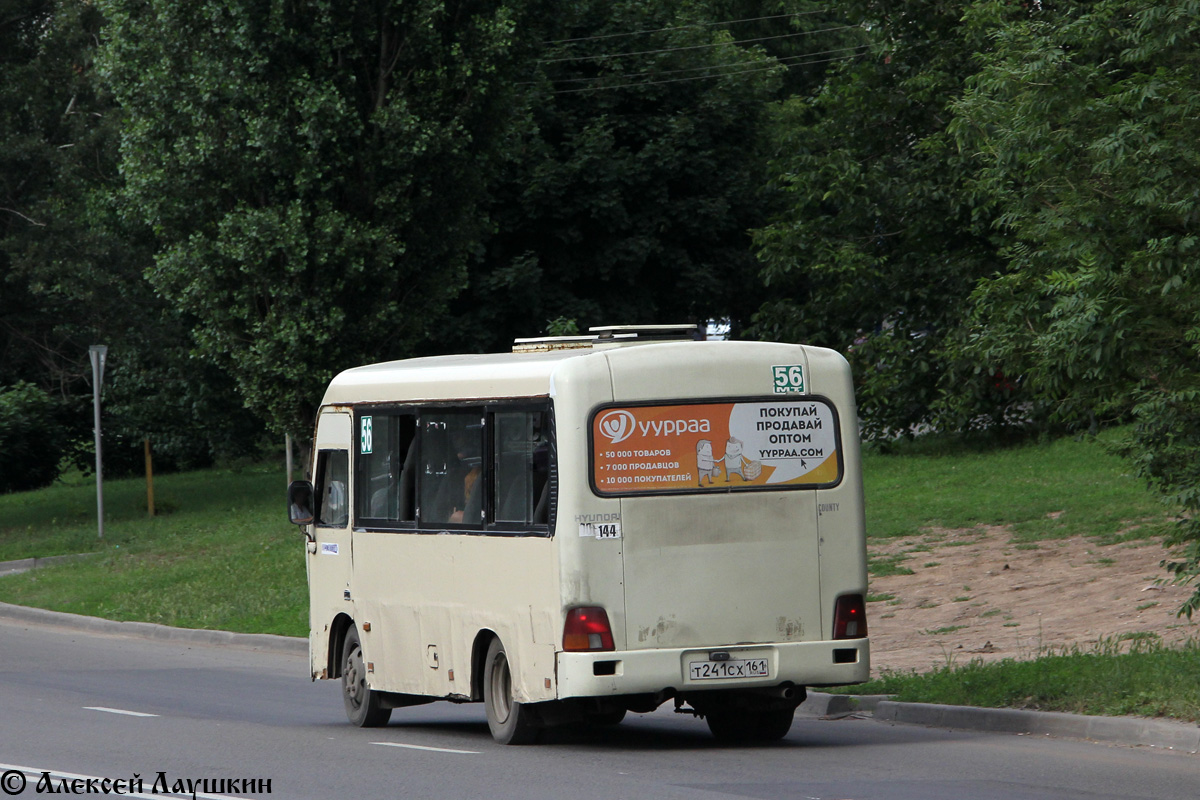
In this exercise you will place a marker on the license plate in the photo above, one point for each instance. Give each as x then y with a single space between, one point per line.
734 668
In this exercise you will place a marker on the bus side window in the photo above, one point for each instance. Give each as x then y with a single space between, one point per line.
333 488
522 466
450 484
386 471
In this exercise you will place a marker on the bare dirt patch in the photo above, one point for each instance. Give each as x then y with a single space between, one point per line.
976 594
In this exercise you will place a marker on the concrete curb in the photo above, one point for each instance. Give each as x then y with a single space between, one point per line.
1121 730
149 630
27 564
820 704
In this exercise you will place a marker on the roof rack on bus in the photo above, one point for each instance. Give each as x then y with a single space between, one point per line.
547 343
611 336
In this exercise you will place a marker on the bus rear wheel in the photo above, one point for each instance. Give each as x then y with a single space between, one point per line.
364 707
603 719
510 722
759 725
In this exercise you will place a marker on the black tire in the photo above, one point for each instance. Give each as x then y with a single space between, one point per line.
606 718
751 726
510 722
363 706
773 725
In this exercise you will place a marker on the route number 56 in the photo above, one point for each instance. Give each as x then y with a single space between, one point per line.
788 378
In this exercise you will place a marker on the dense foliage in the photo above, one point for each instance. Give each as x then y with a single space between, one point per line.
629 192
71 263
638 166
32 437
312 173
1085 122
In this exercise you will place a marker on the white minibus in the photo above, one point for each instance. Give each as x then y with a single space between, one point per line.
589 526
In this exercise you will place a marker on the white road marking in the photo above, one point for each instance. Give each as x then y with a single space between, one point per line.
118 711
37 774
431 749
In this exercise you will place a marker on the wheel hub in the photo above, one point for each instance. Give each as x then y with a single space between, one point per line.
355 679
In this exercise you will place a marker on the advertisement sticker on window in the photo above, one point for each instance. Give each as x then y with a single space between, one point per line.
703 447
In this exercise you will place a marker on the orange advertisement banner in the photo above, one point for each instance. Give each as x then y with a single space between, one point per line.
702 447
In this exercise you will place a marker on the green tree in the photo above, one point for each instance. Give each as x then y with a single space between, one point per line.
879 244
71 266
808 37
32 438
53 135
1085 120
312 172
635 175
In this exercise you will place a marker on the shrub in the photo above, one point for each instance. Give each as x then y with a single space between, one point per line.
32 438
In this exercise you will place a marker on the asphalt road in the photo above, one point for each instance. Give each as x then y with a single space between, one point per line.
232 713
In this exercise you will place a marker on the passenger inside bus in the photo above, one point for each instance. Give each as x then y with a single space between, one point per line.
467 504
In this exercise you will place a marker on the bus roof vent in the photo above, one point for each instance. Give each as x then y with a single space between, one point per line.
612 336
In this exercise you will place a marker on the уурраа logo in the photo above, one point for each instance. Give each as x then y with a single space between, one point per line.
617 425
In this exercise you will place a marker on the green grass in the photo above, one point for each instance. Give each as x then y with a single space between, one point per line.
224 558
947 629
1043 490
884 566
1150 680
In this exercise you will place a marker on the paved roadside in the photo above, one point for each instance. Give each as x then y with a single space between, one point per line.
1135 731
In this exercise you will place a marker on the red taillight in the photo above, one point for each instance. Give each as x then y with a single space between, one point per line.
587 629
850 617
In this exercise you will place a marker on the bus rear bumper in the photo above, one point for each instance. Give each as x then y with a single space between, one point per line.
677 671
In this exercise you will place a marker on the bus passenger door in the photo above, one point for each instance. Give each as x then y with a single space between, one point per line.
329 565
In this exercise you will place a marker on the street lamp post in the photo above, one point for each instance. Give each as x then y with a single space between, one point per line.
98 353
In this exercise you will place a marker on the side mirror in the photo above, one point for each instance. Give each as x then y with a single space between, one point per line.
300 502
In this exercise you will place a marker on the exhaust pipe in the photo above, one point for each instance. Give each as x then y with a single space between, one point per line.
783 692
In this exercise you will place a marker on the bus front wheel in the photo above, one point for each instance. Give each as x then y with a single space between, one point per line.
511 722
363 706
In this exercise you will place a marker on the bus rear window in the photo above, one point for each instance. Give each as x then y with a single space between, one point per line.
714 447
